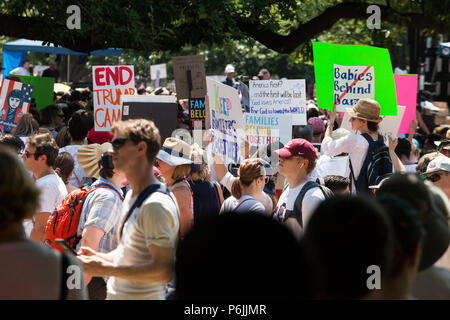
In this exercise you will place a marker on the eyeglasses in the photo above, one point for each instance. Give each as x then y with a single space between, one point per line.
118 143
266 179
28 154
435 177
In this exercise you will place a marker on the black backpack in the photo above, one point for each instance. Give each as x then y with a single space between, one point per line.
297 212
376 166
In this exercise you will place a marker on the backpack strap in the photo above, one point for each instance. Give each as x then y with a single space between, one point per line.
107 186
297 211
64 277
141 198
237 207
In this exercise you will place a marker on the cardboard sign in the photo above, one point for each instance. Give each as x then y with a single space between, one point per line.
15 99
349 58
389 126
406 88
195 66
42 89
161 68
265 129
352 83
111 83
162 110
278 97
197 112
227 123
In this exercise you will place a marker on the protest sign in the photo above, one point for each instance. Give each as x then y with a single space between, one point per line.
346 73
406 88
265 129
389 126
15 99
227 123
162 110
192 68
161 68
275 97
197 112
111 83
42 89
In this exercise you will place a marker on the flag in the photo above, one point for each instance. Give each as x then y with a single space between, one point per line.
15 99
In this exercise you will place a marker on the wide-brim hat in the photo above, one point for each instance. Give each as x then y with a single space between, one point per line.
175 152
89 155
366 109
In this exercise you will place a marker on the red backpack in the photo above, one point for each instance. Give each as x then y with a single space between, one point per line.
63 222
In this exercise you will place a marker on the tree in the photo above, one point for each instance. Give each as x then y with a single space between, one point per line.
170 25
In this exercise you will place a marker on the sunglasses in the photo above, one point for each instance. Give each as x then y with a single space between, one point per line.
118 143
28 154
266 179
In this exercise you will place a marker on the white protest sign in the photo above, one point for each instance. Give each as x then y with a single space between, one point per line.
389 126
278 97
110 84
161 68
265 129
227 123
352 83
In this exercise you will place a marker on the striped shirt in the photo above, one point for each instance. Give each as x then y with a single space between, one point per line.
102 209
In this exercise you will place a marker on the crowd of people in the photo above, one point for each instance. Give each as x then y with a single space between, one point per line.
345 215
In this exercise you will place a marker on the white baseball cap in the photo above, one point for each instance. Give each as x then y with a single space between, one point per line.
441 163
229 68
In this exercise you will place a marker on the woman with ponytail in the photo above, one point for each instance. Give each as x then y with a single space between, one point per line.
250 183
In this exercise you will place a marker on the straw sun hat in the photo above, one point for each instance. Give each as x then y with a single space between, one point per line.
89 155
366 109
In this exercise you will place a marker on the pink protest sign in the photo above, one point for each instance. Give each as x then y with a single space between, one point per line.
406 88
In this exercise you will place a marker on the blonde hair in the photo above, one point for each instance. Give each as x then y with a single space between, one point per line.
19 196
249 170
200 158
181 172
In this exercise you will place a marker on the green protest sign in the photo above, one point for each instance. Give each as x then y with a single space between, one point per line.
346 73
42 89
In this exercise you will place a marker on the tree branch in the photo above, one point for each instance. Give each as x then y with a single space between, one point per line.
324 21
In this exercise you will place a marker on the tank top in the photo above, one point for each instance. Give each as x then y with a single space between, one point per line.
184 184
206 200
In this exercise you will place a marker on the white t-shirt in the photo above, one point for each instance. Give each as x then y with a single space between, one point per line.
78 172
20 71
326 165
32 271
311 200
155 222
410 168
353 144
53 191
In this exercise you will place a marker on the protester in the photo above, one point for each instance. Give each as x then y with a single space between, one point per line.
23 70
257 248
300 197
250 182
438 172
365 117
12 142
101 210
63 167
408 239
30 271
302 132
345 236
208 197
78 127
264 74
173 160
229 71
26 127
51 117
63 138
337 184
52 72
318 127
422 165
142 264
433 212
407 155
39 156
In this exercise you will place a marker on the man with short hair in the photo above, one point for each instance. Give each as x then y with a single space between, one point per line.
438 173
142 264
39 157
12 142
52 72
23 70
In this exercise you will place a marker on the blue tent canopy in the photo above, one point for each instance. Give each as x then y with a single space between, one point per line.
14 52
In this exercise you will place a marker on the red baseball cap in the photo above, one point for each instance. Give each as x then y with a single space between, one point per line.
298 147
99 137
